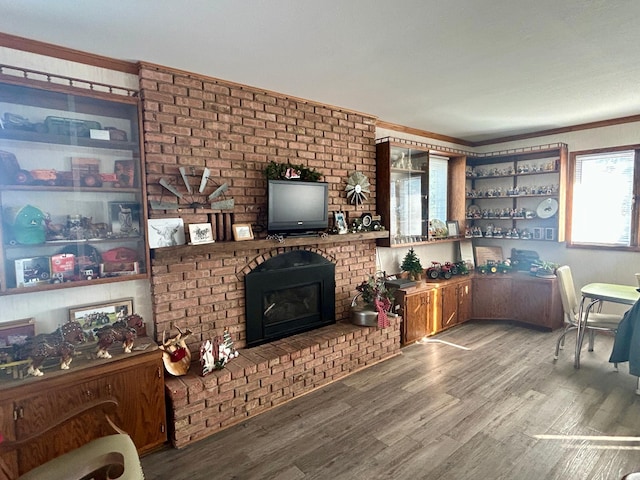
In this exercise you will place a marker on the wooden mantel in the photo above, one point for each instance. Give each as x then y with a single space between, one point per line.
230 247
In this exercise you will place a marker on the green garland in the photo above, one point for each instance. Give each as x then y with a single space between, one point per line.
278 171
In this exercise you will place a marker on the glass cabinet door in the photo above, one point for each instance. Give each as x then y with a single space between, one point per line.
409 175
71 195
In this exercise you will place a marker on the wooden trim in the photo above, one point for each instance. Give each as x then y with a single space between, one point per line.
132 97
511 138
64 53
556 131
422 133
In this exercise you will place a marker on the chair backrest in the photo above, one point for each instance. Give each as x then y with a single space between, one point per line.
568 294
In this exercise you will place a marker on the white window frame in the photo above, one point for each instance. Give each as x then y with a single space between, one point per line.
603 195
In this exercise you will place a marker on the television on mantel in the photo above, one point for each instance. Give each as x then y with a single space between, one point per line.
296 207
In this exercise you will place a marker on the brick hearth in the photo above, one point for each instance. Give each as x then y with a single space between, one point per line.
266 376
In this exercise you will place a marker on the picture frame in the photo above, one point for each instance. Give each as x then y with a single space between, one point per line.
452 228
81 168
166 232
100 314
466 254
484 254
125 173
538 233
124 219
15 332
200 233
550 234
242 231
340 222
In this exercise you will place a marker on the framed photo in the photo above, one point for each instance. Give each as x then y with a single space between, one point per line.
466 253
166 232
550 234
85 170
124 171
124 218
341 222
483 254
538 233
16 332
200 233
452 227
242 231
100 314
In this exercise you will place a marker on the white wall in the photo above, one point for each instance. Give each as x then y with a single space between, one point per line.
50 309
588 265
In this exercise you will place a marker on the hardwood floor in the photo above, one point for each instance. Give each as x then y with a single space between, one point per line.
500 410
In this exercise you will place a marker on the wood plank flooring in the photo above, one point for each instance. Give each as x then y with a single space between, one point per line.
500 410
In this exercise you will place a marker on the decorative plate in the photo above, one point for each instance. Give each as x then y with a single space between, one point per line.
547 208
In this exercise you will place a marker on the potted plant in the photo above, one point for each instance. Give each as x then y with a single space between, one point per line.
541 268
411 265
376 303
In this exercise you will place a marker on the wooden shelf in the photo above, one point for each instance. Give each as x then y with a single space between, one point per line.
263 244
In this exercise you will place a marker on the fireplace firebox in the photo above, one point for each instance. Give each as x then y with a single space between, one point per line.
290 293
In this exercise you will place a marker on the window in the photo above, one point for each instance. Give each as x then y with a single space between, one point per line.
438 175
602 190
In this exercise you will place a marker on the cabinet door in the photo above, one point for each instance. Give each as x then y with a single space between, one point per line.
37 411
140 393
7 424
536 301
465 303
71 189
450 306
492 297
416 317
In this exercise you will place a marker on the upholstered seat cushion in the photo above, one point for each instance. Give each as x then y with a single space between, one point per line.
117 452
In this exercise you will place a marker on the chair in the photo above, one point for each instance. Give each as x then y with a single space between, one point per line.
106 458
596 321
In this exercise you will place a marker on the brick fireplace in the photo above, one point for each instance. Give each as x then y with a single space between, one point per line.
235 131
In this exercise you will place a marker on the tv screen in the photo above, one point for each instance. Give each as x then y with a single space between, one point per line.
297 207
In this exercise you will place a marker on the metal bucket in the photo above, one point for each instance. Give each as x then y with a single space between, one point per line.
364 316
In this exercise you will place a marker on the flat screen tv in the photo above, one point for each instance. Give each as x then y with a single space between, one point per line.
297 207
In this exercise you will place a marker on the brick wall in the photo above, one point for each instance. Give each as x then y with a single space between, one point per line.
235 131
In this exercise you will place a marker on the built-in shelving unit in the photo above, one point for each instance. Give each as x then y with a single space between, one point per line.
71 185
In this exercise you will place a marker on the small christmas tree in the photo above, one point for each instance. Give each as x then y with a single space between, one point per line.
411 264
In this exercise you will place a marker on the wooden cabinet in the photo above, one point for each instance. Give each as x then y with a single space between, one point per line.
418 190
537 301
518 194
432 307
416 312
520 297
492 297
71 189
135 380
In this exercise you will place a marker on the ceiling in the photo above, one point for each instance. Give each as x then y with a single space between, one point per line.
467 69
